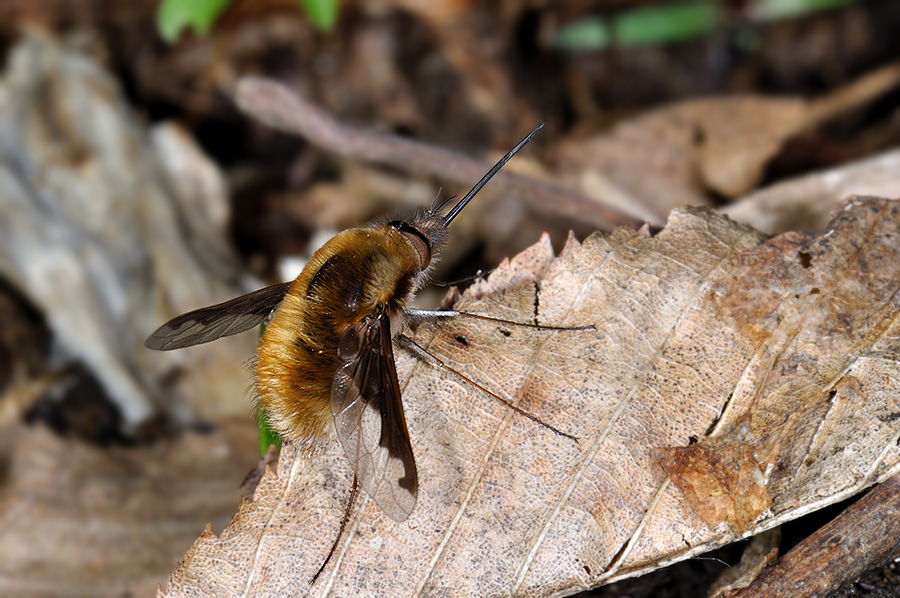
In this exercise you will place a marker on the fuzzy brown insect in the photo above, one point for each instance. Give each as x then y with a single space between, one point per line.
327 353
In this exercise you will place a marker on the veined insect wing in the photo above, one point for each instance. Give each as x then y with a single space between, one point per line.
224 319
369 419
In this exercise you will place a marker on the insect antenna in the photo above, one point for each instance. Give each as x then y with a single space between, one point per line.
434 201
452 283
436 209
474 191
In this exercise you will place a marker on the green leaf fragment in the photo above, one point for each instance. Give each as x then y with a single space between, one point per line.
322 13
173 16
267 436
668 23
773 10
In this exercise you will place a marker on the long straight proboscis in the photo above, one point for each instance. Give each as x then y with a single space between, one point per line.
474 191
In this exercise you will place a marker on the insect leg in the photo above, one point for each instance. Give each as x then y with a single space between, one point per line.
417 316
337 540
422 354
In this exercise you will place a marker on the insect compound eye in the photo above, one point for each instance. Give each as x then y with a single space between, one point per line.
418 240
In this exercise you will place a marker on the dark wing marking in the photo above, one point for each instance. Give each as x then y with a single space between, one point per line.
209 323
369 419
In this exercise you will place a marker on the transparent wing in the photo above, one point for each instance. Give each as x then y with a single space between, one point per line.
209 323
369 419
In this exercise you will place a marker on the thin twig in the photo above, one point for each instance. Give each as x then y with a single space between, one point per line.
280 108
863 536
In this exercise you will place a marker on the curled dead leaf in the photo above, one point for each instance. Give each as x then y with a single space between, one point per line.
687 149
761 374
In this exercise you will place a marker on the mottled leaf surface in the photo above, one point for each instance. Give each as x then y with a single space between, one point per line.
733 383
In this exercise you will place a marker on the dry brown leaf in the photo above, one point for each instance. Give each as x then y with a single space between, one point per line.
677 154
673 156
777 358
806 203
77 520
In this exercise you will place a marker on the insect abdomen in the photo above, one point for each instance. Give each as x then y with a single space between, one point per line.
353 276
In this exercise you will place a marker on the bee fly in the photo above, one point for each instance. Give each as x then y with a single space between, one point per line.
327 353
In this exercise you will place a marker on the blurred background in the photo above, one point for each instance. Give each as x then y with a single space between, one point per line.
133 189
